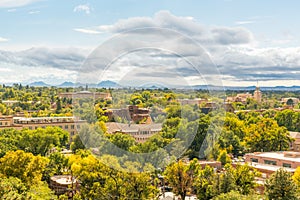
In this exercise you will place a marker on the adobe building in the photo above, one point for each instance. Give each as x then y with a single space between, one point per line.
131 113
64 184
269 162
70 124
242 97
141 132
295 145
86 94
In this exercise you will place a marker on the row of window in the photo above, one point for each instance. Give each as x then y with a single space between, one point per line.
63 127
3 123
271 162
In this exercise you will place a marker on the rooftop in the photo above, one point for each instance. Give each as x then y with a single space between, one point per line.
113 127
287 156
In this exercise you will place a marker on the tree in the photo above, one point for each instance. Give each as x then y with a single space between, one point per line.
12 188
244 176
98 181
205 183
234 195
296 177
266 135
25 166
280 186
40 141
224 158
180 177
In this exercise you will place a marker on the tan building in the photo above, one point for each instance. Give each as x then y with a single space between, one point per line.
294 100
6 121
269 162
86 94
257 95
64 184
295 145
131 113
70 124
141 132
242 97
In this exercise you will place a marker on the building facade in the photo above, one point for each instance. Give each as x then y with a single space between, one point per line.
141 132
70 124
86 94
295 145
269 162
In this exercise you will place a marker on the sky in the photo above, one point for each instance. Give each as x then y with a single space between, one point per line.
229 42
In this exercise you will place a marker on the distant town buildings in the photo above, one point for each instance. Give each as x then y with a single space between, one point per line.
290 101
86 94
196 101
141 132
242 97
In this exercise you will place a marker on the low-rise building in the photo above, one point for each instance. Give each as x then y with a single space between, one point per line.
85 94
269 162
70 124
64 184
242 97
131 113
290 100
141 132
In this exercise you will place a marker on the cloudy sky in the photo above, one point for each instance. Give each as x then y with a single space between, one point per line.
237 42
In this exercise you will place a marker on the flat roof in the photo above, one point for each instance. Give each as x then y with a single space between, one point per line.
277 155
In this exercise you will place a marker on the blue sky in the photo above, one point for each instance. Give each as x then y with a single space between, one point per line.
67 31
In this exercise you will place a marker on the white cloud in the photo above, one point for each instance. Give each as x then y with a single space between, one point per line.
3 39
232 49
88 31
244 22
15 3
83 8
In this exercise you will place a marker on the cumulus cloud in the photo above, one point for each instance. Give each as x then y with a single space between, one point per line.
83 8
168 52
15 3
69 58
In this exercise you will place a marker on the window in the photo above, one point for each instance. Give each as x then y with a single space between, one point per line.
270 162
72 133
78 126
72 126
30 127
286 165
254 160
66 126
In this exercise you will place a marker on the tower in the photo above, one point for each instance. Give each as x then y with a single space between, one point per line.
257 94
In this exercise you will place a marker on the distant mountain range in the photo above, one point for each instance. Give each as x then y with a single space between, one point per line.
112 84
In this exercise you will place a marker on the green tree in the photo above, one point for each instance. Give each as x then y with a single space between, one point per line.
180 176
25 166
280 186
234 195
